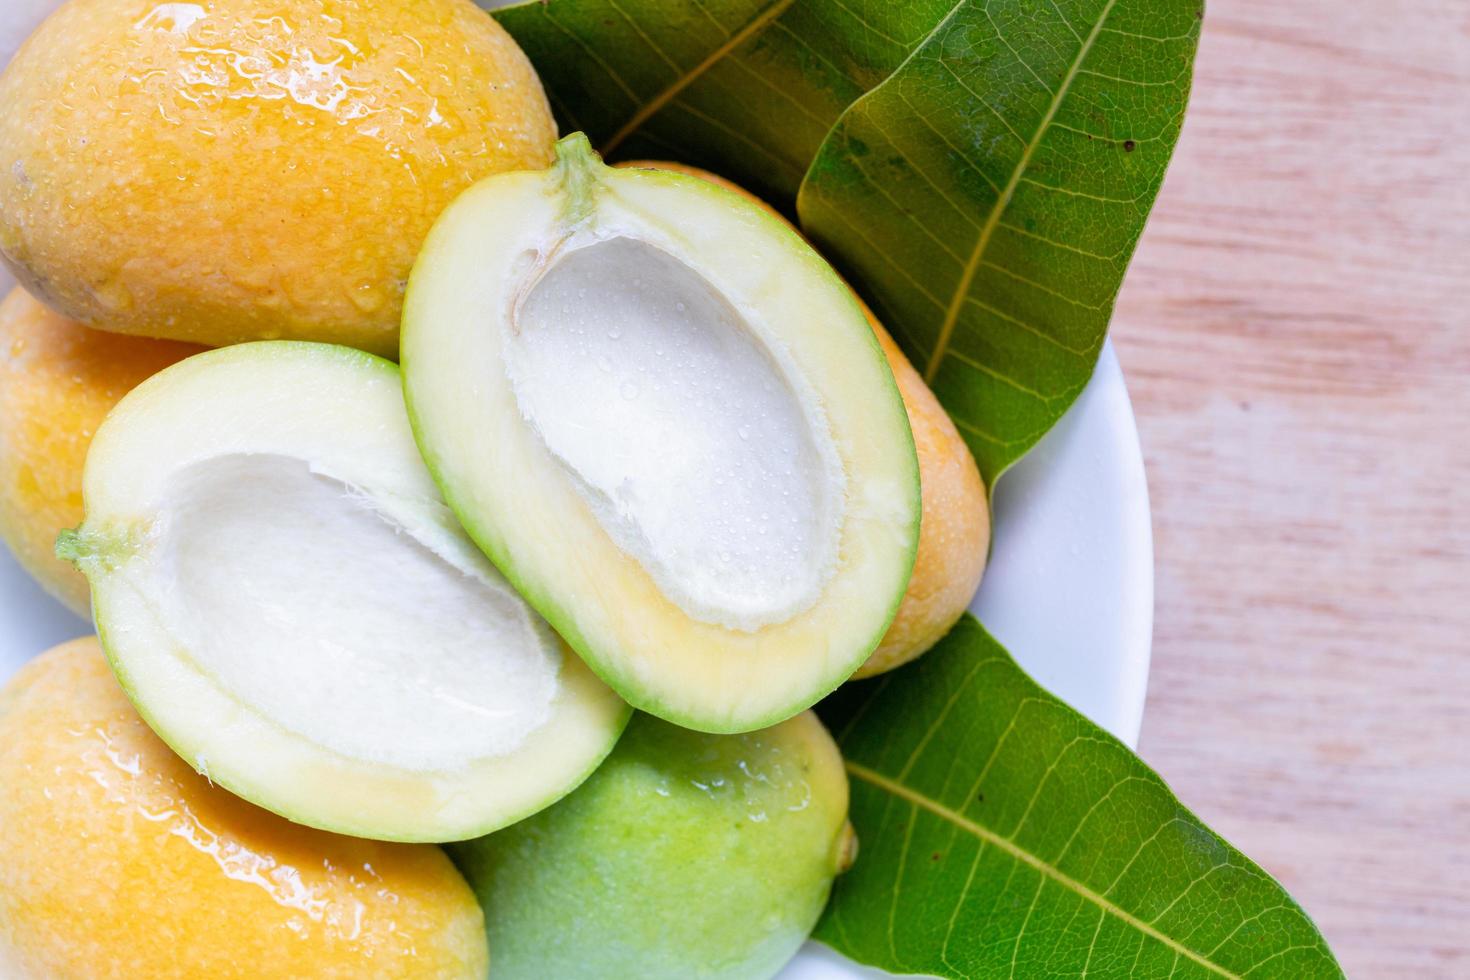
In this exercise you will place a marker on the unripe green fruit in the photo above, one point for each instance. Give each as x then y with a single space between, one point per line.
685 856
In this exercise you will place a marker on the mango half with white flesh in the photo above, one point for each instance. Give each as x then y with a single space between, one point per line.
666 420
284 596
954 538
685 856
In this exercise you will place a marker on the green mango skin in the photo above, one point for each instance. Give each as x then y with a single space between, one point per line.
685 856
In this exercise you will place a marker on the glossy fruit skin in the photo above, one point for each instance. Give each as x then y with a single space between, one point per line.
251 169
954 535
119 861
58 380
685 856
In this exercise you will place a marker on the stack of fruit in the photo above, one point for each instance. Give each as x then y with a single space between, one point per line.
645 450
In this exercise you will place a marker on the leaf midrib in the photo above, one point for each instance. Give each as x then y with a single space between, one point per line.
1021 854
646 111
992 220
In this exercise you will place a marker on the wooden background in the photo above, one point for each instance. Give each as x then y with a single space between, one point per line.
1297 343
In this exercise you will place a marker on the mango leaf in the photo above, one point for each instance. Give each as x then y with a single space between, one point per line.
988 195
1004 835
747 88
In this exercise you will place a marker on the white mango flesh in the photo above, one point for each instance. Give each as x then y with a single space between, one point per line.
694 451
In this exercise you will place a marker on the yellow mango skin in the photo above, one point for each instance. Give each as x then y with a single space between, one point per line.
58 380
234 170
954 535
119 861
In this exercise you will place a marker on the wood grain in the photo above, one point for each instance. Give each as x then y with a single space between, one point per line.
1295 333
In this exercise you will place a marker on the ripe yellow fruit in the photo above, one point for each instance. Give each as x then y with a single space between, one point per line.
58 380
954 535
118 861
243 169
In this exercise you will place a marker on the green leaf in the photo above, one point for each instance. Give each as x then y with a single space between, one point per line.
747 88
988 195
1003 834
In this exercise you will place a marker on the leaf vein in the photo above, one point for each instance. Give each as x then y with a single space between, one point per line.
897 266
927 232
1030 910
1000 376
933 727
1003 843
958 208
976 96
919 117
903 857
642 34
1016 229
726 128
646 111
1100 198
962 288
591 53
1092 946
1000 36
1045 288
1030 328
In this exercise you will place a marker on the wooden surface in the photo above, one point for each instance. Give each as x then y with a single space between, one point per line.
1295 335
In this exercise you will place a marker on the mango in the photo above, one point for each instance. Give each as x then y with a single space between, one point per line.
685 856
58 380
118 861
236 170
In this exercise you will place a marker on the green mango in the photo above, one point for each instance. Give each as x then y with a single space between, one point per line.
685 856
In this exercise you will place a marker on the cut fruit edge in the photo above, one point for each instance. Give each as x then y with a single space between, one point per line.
269 727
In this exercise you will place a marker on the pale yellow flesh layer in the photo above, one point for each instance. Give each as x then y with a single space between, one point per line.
58 380
252 169
559 555
954 538
117 861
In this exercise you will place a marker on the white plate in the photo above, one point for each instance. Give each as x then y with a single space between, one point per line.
1069 589
1070 586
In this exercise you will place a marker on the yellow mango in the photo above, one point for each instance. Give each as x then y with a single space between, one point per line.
237 170
58 380
118 861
